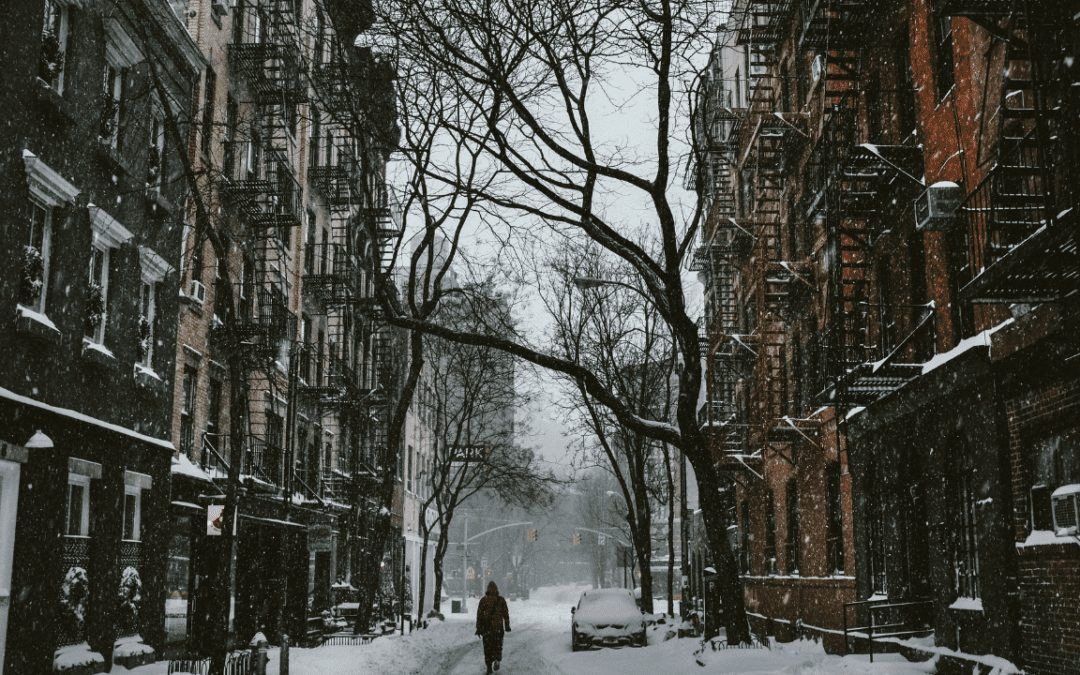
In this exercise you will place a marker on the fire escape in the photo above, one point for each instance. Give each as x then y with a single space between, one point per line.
260 190
865 165
773 134
345 166
725 246
1019 224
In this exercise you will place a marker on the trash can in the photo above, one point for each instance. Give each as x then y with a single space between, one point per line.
455 607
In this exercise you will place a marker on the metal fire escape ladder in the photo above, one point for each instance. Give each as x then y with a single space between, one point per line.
1025 245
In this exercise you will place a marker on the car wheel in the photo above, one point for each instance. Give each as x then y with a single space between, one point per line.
643 639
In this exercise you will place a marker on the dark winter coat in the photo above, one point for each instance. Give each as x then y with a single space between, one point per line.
492 615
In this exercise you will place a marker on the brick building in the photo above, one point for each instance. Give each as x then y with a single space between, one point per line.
293 128
888 274
93 232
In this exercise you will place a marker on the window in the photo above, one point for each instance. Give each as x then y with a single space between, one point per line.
944 68
232 116
876 525
309 249
834 536
54 41
187 410
132 513
78 506
275 435
113 84
319 50
770 534
744 539
1054 461
409 476
209 95
147 320
35 278
792 503
213 411
155 154
97 294
966 561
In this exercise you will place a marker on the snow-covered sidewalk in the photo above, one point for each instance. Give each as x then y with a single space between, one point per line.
540 643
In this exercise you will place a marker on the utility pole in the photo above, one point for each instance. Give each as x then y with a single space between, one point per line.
464 558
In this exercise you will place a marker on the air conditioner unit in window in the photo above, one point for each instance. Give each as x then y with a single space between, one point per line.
937 205
197 291
1065 503
817 68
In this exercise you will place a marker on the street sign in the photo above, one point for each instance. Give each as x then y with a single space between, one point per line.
601 539
470 573
468 453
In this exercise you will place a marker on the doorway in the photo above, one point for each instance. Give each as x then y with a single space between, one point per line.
9 506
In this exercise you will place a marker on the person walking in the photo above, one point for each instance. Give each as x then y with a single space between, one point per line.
492 619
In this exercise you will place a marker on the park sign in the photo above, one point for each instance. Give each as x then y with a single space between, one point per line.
468 453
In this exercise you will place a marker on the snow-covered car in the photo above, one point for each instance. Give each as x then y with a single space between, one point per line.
606 617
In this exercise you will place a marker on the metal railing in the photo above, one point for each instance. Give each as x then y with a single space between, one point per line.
894 628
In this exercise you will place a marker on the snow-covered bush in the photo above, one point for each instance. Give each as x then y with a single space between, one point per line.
33 275
52 57
95 307
144 337
74 594
130 596
153 165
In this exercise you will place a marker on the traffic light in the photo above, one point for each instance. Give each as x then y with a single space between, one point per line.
577 539
532 534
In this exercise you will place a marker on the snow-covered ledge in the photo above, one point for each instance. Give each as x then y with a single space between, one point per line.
967 604
35 324
147 378
1048 538
98 353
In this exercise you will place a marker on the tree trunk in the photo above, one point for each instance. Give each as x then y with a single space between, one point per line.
670 532
728 583
424 532
437 562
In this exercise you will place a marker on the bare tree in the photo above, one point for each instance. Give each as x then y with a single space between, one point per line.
538 77
472 394
624 341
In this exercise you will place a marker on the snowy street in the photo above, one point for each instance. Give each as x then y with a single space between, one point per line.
539 644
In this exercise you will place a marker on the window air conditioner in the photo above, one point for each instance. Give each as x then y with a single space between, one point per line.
937 205
1065 503
197 292
817 67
